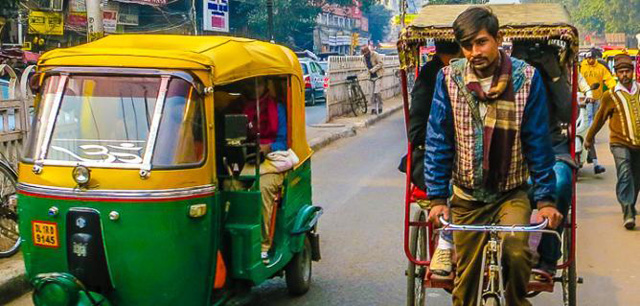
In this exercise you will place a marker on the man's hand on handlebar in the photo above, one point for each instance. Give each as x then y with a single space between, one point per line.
436 211
550 213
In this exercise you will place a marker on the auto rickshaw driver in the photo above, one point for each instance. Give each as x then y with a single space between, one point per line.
268 119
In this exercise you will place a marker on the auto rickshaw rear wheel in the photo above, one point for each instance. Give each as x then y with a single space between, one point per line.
298 271
569 274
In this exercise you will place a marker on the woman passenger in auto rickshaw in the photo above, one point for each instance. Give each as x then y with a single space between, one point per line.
267 118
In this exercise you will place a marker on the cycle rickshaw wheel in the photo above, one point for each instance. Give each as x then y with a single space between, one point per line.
416 293
9 234
569 275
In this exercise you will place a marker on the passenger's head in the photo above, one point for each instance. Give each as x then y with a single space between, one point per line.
255 87
477 31
624 69
447 50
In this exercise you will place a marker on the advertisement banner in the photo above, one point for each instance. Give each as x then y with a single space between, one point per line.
110 21
77 6
46 23
216 15
145 2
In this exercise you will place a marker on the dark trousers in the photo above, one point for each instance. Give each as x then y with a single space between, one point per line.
628 170
549 247
514 209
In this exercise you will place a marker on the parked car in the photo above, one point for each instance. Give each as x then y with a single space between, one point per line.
314 81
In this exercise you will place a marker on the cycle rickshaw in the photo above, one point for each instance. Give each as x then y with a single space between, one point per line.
521 23
134 189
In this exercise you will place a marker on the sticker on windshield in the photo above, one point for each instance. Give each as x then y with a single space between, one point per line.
127 153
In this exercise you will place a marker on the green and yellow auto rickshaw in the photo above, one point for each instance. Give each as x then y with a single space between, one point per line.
140 183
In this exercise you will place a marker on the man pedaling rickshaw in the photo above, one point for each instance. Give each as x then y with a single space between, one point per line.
487 132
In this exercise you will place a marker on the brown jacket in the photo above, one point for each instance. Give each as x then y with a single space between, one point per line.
622 109
376 62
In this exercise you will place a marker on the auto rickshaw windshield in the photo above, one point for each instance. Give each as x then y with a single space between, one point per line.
107 121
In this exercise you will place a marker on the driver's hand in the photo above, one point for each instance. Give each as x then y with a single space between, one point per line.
550 213
436 211
265 148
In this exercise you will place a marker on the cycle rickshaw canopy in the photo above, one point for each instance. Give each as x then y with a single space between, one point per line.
531 21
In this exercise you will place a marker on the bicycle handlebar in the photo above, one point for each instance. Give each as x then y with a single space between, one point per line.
494 228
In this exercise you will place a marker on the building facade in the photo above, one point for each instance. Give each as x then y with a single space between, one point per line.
340 29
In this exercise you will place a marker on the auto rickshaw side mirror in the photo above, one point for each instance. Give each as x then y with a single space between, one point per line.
595 86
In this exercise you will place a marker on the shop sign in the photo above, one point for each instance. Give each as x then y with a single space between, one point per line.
46 23
146 2
216 15
110 21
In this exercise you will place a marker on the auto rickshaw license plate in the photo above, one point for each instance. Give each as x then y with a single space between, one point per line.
45 234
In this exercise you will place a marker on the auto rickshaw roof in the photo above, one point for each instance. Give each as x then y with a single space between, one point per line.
528 21
612 53
229 58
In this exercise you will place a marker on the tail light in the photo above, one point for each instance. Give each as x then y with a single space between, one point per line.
326 82
307 82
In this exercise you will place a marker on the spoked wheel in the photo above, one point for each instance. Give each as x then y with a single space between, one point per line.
570 274
358 101
298 271
9 234
416 295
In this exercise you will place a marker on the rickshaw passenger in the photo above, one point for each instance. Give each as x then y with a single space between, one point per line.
273 137
486 153
545 59
421 96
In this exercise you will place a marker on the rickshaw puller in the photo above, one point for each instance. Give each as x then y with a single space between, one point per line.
488 130
595 72
621 106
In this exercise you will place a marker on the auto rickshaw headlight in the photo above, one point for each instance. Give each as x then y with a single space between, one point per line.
82 175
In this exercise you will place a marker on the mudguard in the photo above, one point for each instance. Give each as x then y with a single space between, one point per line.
306 219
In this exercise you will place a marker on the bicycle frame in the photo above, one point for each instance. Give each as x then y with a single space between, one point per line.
492 253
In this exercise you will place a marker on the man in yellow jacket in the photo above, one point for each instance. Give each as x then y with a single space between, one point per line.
594 72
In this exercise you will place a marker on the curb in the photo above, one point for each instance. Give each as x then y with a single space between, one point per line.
321 142
13 282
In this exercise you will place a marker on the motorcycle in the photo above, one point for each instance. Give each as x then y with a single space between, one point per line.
582 124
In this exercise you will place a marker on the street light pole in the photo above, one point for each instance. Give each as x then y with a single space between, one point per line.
270 19
95 26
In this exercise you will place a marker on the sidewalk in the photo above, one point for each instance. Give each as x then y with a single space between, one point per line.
12 279
13 282
321 135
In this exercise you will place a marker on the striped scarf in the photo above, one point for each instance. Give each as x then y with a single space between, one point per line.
500 126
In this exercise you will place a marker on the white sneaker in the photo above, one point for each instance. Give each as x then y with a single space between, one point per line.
441 262
265 257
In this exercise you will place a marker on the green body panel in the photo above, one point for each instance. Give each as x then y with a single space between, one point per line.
243 227
156 253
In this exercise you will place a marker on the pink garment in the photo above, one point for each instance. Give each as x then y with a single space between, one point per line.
268 118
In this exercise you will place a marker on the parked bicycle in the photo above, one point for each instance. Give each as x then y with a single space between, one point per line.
9 234
357 99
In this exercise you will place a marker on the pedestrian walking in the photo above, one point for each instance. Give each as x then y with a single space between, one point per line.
488 131
595 73
621 106
373 62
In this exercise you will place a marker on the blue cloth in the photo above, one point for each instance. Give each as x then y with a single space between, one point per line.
281 136
534 133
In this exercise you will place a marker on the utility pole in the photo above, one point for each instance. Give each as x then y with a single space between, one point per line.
95 26
270 19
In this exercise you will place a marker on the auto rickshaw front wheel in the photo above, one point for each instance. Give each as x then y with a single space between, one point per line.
298 271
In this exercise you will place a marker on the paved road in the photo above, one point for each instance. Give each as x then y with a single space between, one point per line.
316 114
357 183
